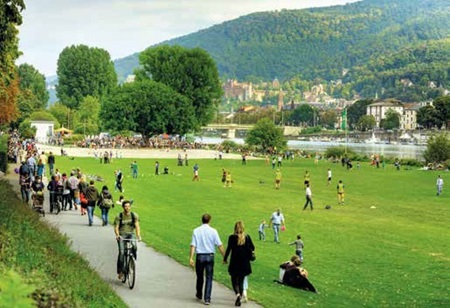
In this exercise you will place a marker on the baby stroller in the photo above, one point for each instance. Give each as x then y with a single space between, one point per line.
38 202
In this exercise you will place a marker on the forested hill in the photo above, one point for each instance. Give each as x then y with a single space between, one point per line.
377 40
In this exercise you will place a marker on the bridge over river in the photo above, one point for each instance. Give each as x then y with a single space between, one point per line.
232 131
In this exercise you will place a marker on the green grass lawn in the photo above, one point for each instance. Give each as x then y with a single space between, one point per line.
394 255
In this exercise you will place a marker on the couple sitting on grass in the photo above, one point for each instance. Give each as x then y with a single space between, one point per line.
293 275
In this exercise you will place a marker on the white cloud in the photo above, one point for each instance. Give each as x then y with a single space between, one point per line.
124 27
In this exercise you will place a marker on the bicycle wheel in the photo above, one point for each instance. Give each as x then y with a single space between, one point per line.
131 273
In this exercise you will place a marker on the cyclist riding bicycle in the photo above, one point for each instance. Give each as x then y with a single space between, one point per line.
126 225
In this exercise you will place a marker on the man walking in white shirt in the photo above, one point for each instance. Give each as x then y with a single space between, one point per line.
308 198
203 244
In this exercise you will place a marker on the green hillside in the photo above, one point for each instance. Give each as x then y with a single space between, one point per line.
390 40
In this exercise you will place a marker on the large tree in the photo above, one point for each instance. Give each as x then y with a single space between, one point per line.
189 72
391 121
302 115
428 117
442 105
33 82
438 149
266 135
147 107
356 111
366 122
84 71
10 17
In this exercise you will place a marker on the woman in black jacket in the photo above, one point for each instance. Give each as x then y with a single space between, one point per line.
241 247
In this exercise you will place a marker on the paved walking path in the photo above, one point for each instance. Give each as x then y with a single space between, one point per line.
160 281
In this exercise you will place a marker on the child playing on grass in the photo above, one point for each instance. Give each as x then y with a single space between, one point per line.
261 232
298 247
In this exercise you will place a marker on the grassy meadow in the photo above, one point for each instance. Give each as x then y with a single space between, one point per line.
394 255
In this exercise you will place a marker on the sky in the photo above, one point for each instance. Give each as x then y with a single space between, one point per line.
124 27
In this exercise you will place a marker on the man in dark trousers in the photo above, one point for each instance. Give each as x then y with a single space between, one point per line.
51 162
203 243
92 195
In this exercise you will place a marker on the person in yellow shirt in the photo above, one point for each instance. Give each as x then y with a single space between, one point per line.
277 179
340 192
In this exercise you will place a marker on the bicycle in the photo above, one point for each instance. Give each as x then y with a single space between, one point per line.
129 263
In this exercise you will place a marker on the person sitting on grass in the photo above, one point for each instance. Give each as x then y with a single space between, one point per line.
296 276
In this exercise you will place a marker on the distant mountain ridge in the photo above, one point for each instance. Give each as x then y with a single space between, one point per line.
377 41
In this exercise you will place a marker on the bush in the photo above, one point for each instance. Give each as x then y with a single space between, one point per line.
229 145
311 130
73 139
339 151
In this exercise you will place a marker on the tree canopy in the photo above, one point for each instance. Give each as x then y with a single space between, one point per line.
266 135
10 18
147 107
391 121
189 72
302 115
438 149
84 71
33 81
356 111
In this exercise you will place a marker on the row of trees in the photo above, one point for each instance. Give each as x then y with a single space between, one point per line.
176 91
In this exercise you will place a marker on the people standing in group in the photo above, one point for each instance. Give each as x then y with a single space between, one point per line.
126 227
204 241
134 170
51 162
261 230
277 222
274 161
340 192
308 194
196 177
278 177
105 203
241 248
298 247
439 185
329 176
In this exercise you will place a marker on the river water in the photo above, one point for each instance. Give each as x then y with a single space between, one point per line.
387 150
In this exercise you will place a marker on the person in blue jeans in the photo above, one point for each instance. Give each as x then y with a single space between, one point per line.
204 241
92 195
276 221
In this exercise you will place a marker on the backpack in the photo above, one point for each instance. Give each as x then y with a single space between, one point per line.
133 219
107 203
